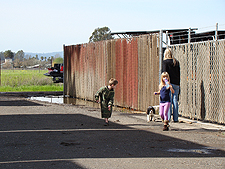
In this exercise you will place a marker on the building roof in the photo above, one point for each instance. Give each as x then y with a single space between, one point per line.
137 33
177 36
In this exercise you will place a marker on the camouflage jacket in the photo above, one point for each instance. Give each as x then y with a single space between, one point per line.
106 96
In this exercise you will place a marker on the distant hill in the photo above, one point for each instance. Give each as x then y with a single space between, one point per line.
47 55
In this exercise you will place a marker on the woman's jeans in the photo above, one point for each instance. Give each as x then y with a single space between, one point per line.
174 102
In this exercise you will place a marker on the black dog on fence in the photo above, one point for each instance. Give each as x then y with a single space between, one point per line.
150 113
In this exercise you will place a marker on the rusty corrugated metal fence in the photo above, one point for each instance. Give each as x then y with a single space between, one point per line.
0 72
133 62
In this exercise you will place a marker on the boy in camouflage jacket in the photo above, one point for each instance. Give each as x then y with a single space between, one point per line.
105 96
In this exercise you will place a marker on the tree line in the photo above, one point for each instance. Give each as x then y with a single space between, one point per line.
20 60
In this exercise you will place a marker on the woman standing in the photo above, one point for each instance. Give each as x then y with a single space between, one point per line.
172 66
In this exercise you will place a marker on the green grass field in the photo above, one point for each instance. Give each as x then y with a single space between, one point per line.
27 81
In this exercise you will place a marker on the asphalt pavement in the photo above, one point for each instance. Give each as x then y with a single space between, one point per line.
36 134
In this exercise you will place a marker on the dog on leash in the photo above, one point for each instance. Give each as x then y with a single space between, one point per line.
150 113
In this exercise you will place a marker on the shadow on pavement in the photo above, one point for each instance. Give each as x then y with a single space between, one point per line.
19 103
54 140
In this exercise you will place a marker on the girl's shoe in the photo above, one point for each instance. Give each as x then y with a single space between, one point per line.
165 128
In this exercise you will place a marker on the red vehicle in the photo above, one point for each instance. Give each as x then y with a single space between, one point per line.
56 73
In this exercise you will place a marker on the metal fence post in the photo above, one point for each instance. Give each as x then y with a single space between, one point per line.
216 32
189 35
160 52
0 70
167 45
64 70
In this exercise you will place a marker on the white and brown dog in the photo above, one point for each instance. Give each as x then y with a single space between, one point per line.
150 113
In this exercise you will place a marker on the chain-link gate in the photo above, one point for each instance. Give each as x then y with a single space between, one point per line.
202 80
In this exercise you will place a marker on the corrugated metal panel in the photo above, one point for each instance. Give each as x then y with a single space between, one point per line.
133 62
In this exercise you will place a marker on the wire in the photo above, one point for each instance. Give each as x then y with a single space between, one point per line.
207 27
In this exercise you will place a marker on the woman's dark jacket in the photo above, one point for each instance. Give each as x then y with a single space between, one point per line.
173 70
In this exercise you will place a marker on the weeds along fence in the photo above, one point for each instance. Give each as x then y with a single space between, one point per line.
202 80
133 62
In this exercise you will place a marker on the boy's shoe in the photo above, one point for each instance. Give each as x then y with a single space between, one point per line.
106 124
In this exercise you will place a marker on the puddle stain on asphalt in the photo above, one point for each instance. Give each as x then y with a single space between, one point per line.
198 151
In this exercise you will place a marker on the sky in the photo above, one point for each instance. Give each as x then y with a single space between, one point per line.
44 26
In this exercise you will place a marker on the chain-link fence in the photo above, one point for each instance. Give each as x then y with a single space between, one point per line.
202 80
